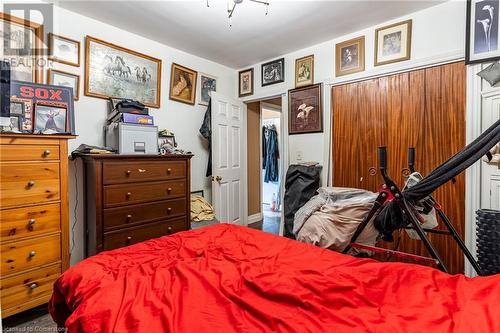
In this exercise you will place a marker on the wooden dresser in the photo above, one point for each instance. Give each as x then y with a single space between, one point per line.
34 224
133 198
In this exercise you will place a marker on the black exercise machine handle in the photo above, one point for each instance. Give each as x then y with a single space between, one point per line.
382 158
411 159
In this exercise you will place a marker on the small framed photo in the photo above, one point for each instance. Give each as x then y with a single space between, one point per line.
14 125
60 78
167 141
207 84
273 72
64 50
350 56
23 109
183 84
50 119
304 71
245 82
482 31
393 43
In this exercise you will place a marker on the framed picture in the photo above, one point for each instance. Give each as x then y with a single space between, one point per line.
14 125
273 72
393 43
245 82
350 56
23 42
182 84
115 71
482 31
23 109
304 71
305 113
64 50
60 78
207 84
50 119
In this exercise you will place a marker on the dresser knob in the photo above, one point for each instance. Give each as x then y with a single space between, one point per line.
169 170
129 238
169 189
32 254
129 194
169 230
128 172
46 153
129 217
31 222
169 210
33 285
31 183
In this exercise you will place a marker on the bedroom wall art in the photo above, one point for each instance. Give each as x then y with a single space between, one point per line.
115 71
304 71
482 31
183 84
393 43
350 56
65 79
207 84
245 82
273 72
305 110
64 50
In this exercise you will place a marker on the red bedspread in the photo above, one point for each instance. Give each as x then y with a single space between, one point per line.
227 278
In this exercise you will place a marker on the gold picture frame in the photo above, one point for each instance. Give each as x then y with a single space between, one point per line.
102 80
350 56
393 43
76 90
183 84
37 30
304 71
53 57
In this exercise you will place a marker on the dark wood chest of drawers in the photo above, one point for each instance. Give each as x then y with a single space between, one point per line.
132 198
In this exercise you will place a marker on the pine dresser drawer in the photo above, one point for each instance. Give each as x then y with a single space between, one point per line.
29 152
142 171
30 253
22 288
133 214
116 195
29 221
28 183
117 239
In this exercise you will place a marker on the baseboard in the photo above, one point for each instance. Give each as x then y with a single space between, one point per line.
255 218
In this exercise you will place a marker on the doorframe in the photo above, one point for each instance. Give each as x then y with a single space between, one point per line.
284 155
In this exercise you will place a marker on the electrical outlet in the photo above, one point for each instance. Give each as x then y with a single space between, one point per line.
299 155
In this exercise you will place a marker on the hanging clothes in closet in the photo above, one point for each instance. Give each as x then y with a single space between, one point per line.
270 153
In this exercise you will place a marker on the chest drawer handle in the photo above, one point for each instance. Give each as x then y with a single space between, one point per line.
169 189
128 172
46 153
129 238
32 254
169 170
31 223
169 210
129 194
30 184
169 230
33 285
129 217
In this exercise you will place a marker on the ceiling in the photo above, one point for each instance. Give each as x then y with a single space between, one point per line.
193 27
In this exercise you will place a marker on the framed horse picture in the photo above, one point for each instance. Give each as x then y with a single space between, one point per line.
118 72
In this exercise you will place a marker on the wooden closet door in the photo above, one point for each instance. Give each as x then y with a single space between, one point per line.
424 109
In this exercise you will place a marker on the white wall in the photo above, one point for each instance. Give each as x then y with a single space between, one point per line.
185 120
438 35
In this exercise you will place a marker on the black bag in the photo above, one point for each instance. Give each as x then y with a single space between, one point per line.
301 185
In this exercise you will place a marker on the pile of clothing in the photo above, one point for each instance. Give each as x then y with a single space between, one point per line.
331 217
201 210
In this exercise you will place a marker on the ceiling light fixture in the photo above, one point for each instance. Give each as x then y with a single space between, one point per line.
231 6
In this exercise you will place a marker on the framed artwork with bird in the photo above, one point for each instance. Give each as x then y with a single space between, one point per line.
305 110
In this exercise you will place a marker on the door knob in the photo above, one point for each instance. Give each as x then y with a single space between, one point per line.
217 178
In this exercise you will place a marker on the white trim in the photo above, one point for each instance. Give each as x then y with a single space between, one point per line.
285 156
255 218
401 67
327 122
473 173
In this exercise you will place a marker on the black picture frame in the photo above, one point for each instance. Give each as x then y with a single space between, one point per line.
282 77
468 38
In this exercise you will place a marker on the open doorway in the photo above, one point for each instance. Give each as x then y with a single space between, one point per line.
265 164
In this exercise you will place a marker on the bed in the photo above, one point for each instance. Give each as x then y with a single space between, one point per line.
227 278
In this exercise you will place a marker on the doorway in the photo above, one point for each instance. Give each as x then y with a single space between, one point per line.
266 154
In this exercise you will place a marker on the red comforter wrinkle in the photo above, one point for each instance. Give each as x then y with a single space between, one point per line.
227 278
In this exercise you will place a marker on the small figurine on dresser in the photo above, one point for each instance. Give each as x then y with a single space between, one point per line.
167 143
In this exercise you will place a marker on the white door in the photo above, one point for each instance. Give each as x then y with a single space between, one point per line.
490 174
229 160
